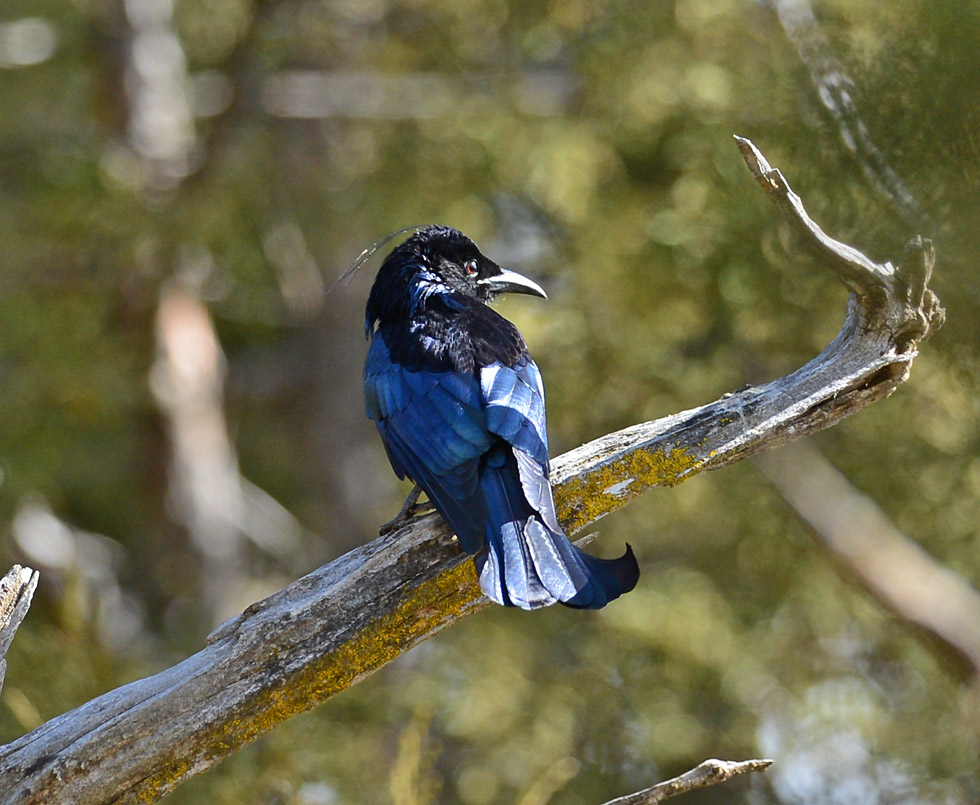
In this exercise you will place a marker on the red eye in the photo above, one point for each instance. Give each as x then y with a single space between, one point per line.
470 267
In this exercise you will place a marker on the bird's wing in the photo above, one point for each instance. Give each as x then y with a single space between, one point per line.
434 429
514 400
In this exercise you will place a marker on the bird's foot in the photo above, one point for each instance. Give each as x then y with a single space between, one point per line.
409 510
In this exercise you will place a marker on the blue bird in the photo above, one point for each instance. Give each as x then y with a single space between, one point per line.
459 405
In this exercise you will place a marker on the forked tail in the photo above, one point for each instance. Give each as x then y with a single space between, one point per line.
529 564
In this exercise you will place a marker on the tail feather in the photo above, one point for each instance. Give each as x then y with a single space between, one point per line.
529 565
507 569
608 579
520 582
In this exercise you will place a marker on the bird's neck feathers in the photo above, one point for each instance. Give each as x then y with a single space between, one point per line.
426 324
403 290
424 285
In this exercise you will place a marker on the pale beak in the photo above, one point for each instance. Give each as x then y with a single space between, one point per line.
512 282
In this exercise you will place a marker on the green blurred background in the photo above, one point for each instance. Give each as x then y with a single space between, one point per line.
181 426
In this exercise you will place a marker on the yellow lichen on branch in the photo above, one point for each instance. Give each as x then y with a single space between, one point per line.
583 499
423 611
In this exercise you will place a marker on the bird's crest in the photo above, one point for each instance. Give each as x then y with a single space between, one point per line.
348 276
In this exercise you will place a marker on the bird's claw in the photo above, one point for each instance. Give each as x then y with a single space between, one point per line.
409 511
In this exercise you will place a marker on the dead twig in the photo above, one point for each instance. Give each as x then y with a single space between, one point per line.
16 592
709 772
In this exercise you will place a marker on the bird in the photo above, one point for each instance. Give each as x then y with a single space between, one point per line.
459 405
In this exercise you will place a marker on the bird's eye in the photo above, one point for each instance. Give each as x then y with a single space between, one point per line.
471 268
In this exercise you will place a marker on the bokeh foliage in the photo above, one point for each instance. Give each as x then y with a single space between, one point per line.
604 130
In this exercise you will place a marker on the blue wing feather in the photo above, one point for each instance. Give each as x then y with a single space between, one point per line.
515 407
432 426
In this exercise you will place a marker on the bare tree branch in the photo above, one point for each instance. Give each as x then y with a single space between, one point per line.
330 629
862 538
16 591
708 772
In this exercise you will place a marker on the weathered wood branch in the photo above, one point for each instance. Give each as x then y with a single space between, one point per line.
330 629
16 591
708 772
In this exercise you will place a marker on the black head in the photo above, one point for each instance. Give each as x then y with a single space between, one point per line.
458 262
441 260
